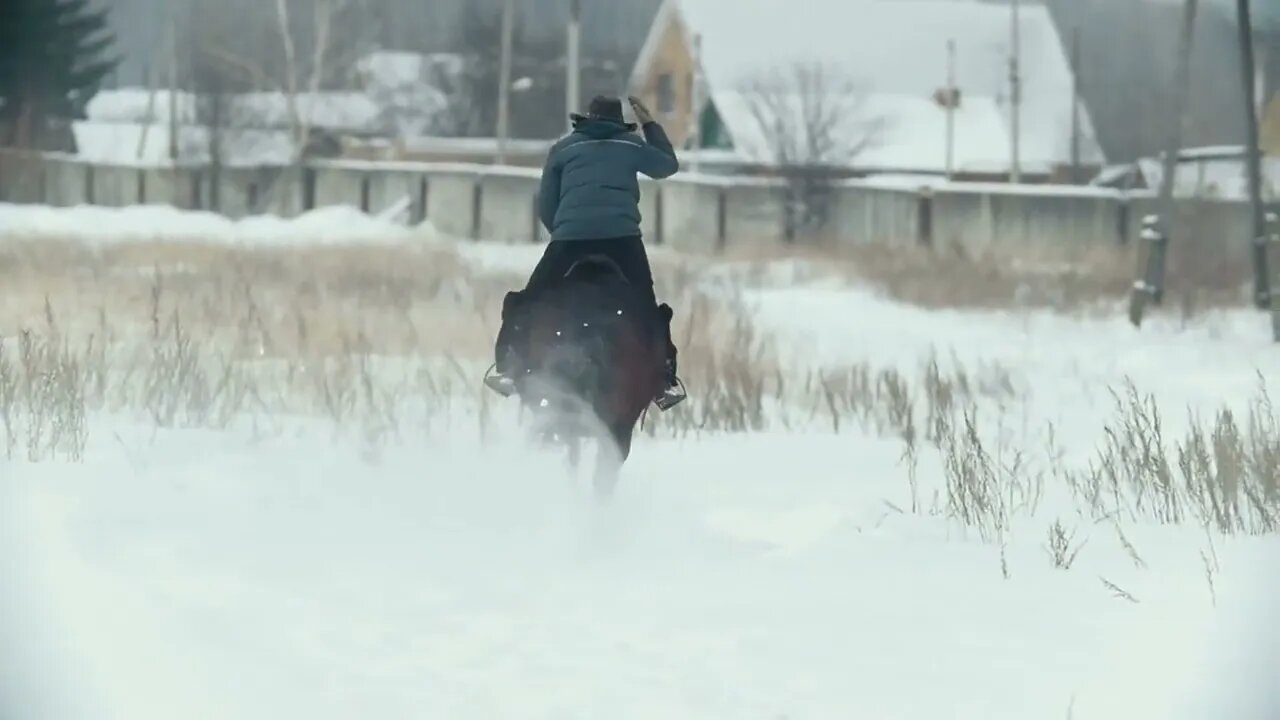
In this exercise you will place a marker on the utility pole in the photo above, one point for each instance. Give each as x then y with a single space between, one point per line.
1155 240
504 80
1258 239
695 103
573 63
1075 105
1173 145
950 99
1015 96
173 85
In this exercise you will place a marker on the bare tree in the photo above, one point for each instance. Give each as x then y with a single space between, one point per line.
537 64
314 46
212 83
814 122
312 74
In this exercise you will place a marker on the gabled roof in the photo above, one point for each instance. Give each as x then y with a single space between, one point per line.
892 47
899 133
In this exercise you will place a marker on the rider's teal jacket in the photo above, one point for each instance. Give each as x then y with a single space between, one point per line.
589 188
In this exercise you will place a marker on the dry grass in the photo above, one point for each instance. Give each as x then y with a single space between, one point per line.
391 342
260 302
1223 474
1201 275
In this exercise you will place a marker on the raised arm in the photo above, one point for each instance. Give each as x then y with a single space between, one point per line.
657 156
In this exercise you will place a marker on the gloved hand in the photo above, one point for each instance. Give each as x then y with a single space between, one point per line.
641 112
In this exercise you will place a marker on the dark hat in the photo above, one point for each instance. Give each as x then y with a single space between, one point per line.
603 108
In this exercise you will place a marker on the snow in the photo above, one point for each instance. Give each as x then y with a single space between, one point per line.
142 145
391 67
474 145
903 133
280 568
408 89
233 578
258 130
334 224
139 105
352 112
339 111
1216 176
899 47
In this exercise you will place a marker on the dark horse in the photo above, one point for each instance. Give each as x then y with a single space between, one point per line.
591 360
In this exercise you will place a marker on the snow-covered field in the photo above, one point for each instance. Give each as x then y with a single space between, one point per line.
816 554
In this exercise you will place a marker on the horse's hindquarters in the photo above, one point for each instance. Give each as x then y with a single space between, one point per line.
593 360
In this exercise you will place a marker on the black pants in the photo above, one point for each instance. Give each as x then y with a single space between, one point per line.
627 252
560 256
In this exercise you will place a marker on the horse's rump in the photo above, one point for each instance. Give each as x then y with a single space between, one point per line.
593 358
593 335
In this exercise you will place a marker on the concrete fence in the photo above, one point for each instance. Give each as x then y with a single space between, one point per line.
701 214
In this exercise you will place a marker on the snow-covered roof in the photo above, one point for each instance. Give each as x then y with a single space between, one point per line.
338 111
1212 176
1217 171
895 47
898 132
349 111
143 145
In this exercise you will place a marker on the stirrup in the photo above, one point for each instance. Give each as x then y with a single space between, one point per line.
671 396
499 383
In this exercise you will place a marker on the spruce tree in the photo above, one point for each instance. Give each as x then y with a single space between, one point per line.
53 57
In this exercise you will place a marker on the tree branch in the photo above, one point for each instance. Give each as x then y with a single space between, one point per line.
813 120
291 75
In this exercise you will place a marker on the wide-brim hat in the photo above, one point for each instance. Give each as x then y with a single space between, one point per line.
603 108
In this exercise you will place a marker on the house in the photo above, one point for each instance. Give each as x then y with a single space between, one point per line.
1269 70
873 74
1127 70
1269 130
132 125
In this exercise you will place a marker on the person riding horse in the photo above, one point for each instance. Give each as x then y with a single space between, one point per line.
589 200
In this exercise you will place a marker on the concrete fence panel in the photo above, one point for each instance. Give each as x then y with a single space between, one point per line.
451 202
1069 220
697 214
115 186
507 207
65 182
690 219
754 216
22 177
867 215
391 188
651 211
338 185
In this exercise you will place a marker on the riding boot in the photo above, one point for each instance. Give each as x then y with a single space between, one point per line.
505 360
673 394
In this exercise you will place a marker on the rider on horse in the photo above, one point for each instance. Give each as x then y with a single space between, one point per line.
589 200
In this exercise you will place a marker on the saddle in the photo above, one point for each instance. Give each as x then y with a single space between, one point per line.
590 269
594 269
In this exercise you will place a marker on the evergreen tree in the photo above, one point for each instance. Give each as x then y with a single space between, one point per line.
53 57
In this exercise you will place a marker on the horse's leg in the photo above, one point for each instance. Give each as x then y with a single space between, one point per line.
574 446
621 435
608 466
615 448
